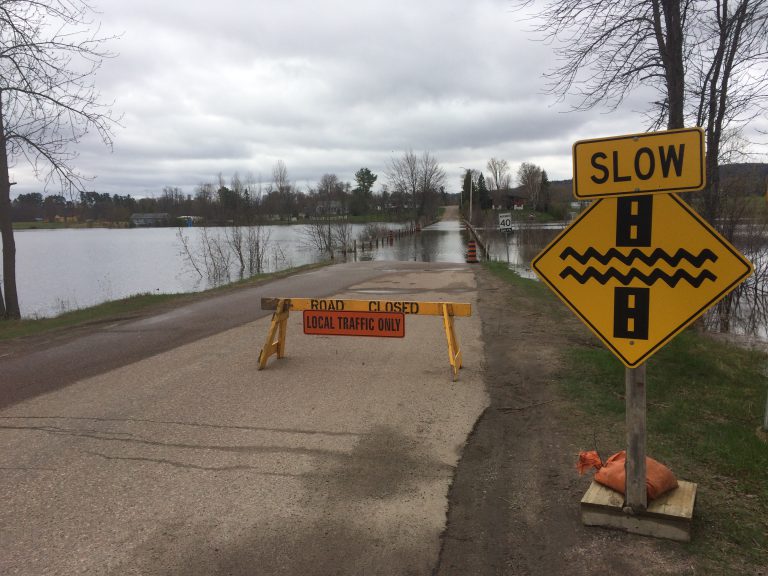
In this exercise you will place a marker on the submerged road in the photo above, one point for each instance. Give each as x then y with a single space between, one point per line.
154 446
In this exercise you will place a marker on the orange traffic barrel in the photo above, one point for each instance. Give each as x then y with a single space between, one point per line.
472 253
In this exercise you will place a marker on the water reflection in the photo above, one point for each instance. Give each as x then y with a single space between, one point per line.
60 270
444 241
745 310
521 245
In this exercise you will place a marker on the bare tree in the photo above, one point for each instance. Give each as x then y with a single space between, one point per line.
283 188
727 83
608 48
431 179
529 177
500 177
320 233
419 179
403 175
705 59
49 54
280 175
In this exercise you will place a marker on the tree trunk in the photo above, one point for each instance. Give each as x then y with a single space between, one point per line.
6 230
673 63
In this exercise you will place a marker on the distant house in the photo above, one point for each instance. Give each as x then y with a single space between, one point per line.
510 198
329 208
151 219
188 221
64 219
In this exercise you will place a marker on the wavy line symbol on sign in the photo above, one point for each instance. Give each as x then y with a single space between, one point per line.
647 279
637 254
639 269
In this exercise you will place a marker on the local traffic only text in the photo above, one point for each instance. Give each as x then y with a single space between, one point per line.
341 323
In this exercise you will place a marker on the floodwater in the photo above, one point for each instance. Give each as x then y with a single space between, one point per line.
62 270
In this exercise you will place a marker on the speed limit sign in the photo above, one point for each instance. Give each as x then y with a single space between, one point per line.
505 221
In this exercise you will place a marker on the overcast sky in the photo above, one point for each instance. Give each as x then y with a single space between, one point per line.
327 86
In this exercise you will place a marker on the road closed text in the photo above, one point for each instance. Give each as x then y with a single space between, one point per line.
341 323
371 305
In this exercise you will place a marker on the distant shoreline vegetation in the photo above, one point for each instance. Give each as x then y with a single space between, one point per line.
183 222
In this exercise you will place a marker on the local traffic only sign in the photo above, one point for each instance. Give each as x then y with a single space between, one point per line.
341 317
638 270
340 323
669 161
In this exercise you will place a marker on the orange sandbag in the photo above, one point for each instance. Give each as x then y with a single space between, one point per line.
658 480
588 460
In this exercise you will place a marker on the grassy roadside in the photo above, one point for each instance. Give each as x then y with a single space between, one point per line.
705 404
140 304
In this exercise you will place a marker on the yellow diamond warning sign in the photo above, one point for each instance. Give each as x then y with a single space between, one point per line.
639 269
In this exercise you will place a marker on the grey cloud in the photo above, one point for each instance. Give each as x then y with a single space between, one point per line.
325 86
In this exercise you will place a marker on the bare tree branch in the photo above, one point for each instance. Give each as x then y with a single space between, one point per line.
50 52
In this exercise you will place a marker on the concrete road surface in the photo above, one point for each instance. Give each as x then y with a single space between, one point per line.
334 460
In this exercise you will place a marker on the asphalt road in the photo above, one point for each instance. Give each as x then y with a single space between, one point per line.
154 446
29 369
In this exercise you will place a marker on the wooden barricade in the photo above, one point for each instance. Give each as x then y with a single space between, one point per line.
359 318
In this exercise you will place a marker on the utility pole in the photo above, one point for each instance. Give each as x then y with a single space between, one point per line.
471 187
469 171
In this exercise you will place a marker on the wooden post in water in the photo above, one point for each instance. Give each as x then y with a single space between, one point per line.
636 496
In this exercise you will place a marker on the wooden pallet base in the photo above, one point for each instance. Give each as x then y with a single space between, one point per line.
667 517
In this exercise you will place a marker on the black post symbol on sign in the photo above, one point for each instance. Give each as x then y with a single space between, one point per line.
631 306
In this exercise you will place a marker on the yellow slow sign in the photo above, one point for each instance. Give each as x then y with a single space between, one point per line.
669 161
638 270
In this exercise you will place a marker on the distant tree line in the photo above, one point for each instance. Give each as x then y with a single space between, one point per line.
535 192
414 190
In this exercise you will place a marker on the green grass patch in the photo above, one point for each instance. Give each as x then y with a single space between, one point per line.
537 293
705 401
63 225
108 310
529 287
42 225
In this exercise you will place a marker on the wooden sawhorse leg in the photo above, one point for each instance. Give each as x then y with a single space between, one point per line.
454 352
279 327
